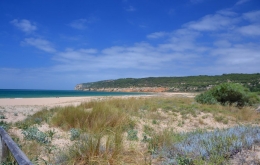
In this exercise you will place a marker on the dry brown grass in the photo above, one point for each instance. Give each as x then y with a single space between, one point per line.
106 122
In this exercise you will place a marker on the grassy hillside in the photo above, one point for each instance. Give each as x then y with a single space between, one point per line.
189 83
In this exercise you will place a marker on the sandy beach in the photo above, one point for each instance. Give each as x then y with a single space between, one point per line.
13 110
45 101
17 109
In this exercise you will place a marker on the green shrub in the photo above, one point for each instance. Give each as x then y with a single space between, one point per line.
206 98
74 134
33 133
4 125
132 135
228 93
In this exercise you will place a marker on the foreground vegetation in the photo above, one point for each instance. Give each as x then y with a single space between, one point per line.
187 84
228 93
144 130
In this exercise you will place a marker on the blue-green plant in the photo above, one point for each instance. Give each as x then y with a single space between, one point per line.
33 133
211 147
4 125
74 134
132 135
2 117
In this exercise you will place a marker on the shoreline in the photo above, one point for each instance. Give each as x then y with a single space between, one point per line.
17 109
13 110
43 101
72 99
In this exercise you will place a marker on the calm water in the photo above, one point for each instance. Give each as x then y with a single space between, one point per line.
30 93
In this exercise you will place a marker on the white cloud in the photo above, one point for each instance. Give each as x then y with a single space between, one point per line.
243 56
211 23
240 2
80 54
222 43
227 12
253 16
40 44
80 24
157 35
24 25
141 57
251 30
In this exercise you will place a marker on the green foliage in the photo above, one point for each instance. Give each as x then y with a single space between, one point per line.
2 117
189 83
51 133
148 130
132 135
206 98
74 134
33 133
228 93
4 125
184 160
208 147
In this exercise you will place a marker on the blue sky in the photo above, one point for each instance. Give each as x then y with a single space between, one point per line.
58 44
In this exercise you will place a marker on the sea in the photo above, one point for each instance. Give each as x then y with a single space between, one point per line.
33 93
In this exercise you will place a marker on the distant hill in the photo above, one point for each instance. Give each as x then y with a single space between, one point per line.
171 84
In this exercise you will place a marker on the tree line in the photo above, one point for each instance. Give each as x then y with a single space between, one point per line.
188 83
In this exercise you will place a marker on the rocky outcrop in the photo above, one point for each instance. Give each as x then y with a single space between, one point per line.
83 87
79 87
137 89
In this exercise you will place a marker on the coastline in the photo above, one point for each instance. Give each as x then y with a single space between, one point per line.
63 101
44 101
17 109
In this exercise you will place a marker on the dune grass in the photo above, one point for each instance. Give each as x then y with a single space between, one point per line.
98 118
94 149
124 131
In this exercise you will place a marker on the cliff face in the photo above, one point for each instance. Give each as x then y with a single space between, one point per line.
138 89
171 84
79 87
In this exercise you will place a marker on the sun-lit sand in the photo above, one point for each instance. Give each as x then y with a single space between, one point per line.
18 108
44 101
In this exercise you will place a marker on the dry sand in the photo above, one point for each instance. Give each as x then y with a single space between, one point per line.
17 109
44 101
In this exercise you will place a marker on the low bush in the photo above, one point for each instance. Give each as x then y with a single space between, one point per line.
4 125
228 93
74 134
33 133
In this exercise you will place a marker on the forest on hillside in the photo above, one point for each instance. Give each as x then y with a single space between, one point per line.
189 83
